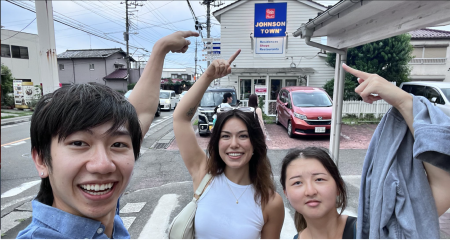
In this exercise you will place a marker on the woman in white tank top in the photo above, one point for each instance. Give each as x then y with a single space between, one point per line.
240 201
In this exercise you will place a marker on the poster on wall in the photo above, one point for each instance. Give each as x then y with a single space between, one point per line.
18 93
260 89
269 46
270 19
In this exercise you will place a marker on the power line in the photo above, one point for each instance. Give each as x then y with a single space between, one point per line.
20 30
65 22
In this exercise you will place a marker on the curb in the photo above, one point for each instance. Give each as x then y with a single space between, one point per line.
10 121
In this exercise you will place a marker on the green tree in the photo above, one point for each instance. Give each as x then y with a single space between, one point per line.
388 58
7 80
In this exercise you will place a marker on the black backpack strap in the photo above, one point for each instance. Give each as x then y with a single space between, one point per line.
350 228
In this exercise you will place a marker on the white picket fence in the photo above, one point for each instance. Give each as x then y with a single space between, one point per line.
361 108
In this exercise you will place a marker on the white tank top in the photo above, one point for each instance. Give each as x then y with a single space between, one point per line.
218 215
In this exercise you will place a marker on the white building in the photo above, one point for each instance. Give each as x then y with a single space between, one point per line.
269 55
431 50
20 53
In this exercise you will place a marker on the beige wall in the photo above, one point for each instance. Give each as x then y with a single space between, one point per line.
435 65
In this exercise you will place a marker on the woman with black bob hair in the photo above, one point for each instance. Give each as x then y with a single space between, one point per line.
310 177
240 201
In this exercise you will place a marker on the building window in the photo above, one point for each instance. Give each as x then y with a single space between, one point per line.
61 67
19 52
91 66
429 52
174 76
6 51
184 77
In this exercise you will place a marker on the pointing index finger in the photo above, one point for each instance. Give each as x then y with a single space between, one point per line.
189 34
234 56
355 72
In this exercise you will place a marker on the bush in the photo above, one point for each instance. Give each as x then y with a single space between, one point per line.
131 86
349 89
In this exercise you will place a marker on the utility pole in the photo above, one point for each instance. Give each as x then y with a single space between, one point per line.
208 18
126 35
195 71
127 38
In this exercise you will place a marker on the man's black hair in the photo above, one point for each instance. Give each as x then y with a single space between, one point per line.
75 108
226 96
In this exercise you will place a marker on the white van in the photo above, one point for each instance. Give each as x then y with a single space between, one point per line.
437 92
168 100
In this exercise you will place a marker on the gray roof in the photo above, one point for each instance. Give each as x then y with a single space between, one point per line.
429 33
91 53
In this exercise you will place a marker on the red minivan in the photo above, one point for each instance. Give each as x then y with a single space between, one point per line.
304 111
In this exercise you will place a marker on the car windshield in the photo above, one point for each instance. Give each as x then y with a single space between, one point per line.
164 95
212 99
446 92
311 99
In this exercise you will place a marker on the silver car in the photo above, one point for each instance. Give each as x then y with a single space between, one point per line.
437 92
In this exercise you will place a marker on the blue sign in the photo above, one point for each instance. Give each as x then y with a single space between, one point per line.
270 19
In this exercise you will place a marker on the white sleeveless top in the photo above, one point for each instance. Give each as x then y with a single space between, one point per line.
218 215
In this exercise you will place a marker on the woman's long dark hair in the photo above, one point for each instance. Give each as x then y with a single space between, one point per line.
253 101
324 158
260 169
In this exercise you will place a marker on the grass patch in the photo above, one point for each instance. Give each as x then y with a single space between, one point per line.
18 114
352 119
268 119
21 220
195 122
3 234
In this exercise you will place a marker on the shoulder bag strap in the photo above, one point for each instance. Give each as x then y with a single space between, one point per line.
202 185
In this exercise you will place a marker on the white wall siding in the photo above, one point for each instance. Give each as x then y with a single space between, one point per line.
23 68
238 23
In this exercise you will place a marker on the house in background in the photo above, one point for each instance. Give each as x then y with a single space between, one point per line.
431 50
181 78
270 56
20 53
102 66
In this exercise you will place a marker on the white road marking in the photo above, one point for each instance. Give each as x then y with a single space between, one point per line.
19 189
13 219
9 204
127 221
156 226
132 207
288 230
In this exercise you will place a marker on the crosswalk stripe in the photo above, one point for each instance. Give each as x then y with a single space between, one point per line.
19 189
127 221
132 207
288 230
156 226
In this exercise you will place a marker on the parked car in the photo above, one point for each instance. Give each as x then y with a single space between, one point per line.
304 111
211 99
168 99
437 92
158 111
182 94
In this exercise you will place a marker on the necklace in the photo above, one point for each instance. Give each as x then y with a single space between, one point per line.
237 199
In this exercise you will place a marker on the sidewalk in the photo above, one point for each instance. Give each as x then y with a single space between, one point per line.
352 137
17 119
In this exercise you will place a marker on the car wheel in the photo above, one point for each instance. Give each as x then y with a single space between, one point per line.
289 129
158 111
276 119
175 106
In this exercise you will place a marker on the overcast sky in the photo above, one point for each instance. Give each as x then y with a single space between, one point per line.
153 20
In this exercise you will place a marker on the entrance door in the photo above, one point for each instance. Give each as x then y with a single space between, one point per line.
245 88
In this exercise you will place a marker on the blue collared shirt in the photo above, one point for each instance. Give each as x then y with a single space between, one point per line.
50 223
